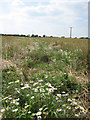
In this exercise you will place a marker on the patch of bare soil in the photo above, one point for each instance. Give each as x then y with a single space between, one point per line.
55 45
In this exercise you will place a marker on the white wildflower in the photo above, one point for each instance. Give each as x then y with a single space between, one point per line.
32 97
59 95
38 113
8 86
27 106
42 90
68 107
28 95
17 103
60 101
17 81
77 115
17 99
29 112
39 117
10 83
81 108
26 85
2 110
35 83
84 112
21 84
13 101
58 109
76 107
73 99
40 109
35 90
18 91
65 95
55 88
5 98
64 105
10 98
16 88
63 92
75 103
51 90
40 80
69 99
15 110
31 81
48 84
57 98
23 88
6 101
46 76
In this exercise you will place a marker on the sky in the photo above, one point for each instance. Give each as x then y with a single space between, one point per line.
49 17
89 19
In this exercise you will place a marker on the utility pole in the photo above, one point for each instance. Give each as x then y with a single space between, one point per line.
70 32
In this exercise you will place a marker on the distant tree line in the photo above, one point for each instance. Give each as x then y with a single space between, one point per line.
33 35
14 35
83 37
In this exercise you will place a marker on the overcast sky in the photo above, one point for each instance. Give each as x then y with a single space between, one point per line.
49 17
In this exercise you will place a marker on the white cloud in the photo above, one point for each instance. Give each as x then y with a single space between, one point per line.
53 18
17 3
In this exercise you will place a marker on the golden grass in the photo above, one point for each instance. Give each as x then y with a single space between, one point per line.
65 43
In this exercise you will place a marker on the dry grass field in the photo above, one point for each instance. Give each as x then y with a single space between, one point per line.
65 43
44 77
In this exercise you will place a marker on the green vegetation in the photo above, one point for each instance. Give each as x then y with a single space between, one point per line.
46 77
